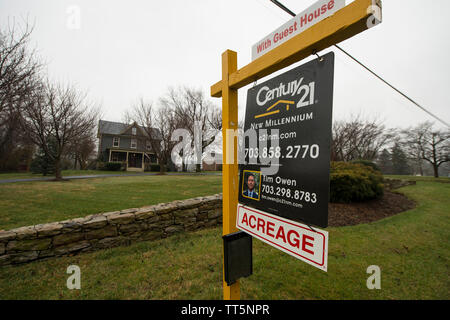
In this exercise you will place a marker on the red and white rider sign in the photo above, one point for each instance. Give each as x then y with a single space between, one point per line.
294 238
314 14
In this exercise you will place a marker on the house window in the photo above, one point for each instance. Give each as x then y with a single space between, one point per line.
149 145
116 142
133 144
133 131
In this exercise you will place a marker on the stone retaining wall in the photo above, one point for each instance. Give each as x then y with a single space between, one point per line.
106 230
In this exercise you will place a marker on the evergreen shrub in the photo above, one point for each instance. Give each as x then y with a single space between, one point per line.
354 182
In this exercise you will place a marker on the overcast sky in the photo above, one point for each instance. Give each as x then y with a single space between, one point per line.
123 50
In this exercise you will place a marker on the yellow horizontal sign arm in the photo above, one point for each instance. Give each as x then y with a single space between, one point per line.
344 24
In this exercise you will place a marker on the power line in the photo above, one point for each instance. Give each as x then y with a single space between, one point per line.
280 5
283 7
270 8
394 88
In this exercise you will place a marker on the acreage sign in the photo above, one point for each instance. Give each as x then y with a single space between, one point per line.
296 239
286 169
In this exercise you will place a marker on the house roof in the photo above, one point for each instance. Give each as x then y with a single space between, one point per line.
117 128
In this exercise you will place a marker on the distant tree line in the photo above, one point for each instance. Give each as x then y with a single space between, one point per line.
420 149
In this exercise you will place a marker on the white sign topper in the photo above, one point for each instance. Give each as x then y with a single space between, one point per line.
296 239
315 13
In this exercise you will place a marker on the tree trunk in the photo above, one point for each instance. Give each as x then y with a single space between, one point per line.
198 167
436 170
58 174
162 168
82 163
435 161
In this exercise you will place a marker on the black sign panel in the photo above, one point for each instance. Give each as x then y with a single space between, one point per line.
287 143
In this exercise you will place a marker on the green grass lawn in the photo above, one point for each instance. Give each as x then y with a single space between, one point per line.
419 178
411 248
30 203
65 173
69 173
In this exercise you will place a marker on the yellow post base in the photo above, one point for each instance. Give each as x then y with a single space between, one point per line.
232 292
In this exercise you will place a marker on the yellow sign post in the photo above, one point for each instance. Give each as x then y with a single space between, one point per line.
230 183
344 24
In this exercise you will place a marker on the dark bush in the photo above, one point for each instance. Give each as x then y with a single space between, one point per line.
354 182
42 164
113 166
151 167
155 167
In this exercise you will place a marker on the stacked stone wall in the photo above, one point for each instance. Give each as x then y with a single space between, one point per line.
107 230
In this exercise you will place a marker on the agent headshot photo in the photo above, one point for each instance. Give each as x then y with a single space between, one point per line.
252 182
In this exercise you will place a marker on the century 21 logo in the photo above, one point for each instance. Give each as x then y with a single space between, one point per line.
294 88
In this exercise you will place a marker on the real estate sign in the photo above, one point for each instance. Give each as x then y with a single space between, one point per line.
297 110
307 18
287 144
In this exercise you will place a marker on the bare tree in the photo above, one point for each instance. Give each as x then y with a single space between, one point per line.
58 116
19 74
424 143
358 139
196 114
159 124
82 149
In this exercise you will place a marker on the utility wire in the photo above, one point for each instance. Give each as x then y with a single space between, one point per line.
401 93
280 5
283 7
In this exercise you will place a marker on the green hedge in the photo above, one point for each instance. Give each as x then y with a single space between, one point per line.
154 167
111 166
354 182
